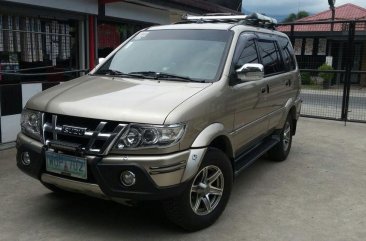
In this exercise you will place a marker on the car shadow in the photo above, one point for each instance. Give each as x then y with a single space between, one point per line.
110 216
146 217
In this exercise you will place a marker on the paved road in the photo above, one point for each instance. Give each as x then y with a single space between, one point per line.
334 101
317 194
325 104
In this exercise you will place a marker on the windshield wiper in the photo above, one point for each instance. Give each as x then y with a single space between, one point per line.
163 75
114 72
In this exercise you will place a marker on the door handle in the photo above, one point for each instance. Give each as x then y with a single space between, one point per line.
288 82
265 89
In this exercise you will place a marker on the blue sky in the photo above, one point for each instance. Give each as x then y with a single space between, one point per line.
284 7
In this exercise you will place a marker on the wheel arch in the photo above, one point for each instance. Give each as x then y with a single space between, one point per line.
292 108
292 112
223 143
215 136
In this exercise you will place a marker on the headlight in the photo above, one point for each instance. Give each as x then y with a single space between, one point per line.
147 136
31 122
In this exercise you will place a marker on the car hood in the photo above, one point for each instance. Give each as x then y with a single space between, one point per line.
108 98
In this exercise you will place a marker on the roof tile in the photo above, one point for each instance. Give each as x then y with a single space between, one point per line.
347 11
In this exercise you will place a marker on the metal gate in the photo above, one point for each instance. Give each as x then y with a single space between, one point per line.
332 61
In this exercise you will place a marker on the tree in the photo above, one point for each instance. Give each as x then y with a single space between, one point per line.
293 16
302 14
290 18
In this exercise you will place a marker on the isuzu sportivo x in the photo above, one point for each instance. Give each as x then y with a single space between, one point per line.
173 114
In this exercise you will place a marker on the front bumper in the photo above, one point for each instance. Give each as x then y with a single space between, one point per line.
157 177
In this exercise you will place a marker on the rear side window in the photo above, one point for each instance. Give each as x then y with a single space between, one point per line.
271 58
248 54
287 53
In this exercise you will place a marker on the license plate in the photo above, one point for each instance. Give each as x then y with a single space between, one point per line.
71 166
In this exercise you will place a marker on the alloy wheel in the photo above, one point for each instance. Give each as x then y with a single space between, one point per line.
207 190
286 136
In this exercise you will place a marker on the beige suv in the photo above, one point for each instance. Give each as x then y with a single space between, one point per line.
173 114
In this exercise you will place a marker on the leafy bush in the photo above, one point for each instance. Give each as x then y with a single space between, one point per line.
327 77
305 78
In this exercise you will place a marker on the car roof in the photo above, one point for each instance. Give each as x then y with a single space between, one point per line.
217 26
241 28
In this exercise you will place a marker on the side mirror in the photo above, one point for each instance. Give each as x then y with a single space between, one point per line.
101 60
250 72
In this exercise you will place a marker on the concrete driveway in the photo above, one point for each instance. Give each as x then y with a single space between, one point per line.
319 193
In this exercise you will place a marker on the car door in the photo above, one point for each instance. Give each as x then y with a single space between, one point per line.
289 80
247 98
277 78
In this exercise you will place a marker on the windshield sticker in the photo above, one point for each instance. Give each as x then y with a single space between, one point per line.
141 35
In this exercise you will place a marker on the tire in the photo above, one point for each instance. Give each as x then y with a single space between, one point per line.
281 150
189 210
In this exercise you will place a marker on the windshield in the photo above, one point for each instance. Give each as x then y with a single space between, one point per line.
172 54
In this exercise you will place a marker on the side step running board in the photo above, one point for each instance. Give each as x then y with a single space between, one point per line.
248 157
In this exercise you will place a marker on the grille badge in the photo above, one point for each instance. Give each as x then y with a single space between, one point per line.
73 130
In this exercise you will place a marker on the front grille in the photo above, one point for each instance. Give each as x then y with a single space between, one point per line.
89 136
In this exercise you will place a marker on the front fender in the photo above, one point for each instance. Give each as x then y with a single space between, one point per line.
199 148
208 135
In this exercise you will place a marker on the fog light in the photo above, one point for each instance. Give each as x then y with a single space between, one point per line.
26 159
128 178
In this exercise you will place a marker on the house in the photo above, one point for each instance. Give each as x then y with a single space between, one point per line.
318 43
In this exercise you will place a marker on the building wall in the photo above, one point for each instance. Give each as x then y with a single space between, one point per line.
83 6
232 4
34 51
136 12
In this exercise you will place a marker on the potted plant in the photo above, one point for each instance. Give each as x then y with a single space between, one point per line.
326 76
305 78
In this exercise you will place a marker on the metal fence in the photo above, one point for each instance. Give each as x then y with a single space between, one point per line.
332 61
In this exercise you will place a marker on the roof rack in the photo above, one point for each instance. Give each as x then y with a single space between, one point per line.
254 19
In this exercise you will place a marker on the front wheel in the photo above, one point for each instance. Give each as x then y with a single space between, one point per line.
206 195
281 150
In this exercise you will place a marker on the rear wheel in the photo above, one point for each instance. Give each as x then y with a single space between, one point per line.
206 195
281 150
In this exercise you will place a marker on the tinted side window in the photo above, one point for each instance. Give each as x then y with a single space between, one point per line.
248 54
288 53
270 56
